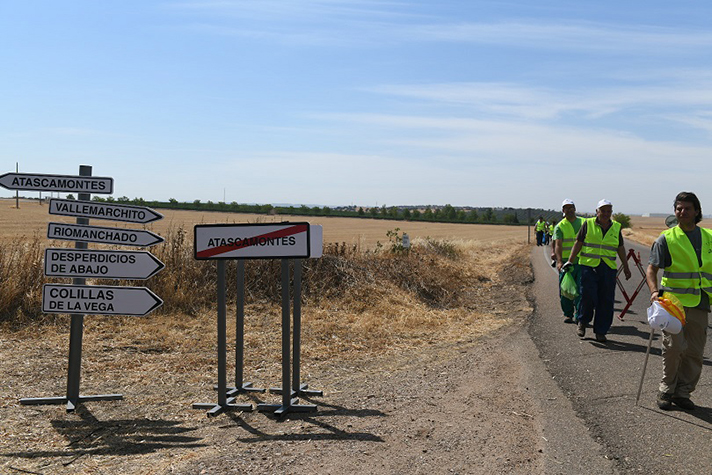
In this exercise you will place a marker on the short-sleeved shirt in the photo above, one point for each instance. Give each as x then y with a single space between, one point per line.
660 257
581 236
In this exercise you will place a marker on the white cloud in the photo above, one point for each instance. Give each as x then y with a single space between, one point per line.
464 142
566 35
539 103
294 9
372 22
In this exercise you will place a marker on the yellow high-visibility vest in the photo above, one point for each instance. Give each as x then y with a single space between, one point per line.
596 246
567 242
685 277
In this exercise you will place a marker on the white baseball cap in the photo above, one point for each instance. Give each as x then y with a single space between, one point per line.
604 202
568 202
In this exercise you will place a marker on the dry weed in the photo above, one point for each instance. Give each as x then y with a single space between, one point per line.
355 301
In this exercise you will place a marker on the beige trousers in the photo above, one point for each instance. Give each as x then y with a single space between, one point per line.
683 355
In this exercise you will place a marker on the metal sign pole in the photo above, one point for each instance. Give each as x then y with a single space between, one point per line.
529 226
240 326
240 386
222 336
77 326
224 402
286 327
17 192
299 389
75 340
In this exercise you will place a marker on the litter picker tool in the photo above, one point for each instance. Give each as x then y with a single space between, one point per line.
645 365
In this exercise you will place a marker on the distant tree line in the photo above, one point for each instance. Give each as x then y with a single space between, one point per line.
428 213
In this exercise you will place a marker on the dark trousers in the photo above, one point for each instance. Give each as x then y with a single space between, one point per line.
598 293
539 238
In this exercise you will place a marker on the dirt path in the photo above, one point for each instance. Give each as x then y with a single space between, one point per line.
447 410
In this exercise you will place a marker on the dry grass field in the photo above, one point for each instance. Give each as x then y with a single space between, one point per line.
645 230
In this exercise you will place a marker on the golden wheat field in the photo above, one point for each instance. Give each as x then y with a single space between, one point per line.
645 230
33 218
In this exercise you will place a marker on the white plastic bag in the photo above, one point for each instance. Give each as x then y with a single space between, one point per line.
660 319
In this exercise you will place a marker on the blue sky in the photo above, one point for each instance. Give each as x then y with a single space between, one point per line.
365 102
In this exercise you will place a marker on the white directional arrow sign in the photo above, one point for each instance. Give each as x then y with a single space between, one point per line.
98 300
60 183
101 210
101 264
104 235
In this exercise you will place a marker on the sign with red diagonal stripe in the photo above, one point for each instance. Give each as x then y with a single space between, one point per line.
252 241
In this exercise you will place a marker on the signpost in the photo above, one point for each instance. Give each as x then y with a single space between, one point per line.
283 241
84 184
102 210
104 235
80 263
139 265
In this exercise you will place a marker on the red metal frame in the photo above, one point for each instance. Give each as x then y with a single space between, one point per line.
629 300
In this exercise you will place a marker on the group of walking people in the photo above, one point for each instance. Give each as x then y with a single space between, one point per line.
544 230
588 248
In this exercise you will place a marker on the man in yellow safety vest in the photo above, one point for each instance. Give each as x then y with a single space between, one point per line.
564 236
539 227
599 241
684 252
548 232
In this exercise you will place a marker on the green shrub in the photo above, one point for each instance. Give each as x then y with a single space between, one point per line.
624 219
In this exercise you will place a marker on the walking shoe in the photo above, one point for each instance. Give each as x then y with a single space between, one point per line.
601 338
581 329
684 403
568 319
665 401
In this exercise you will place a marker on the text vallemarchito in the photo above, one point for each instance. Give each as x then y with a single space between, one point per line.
109 212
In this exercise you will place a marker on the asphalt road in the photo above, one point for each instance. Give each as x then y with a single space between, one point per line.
602 380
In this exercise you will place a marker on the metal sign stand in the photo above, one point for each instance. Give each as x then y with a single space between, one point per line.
224 402
289 404
73 399
297 388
